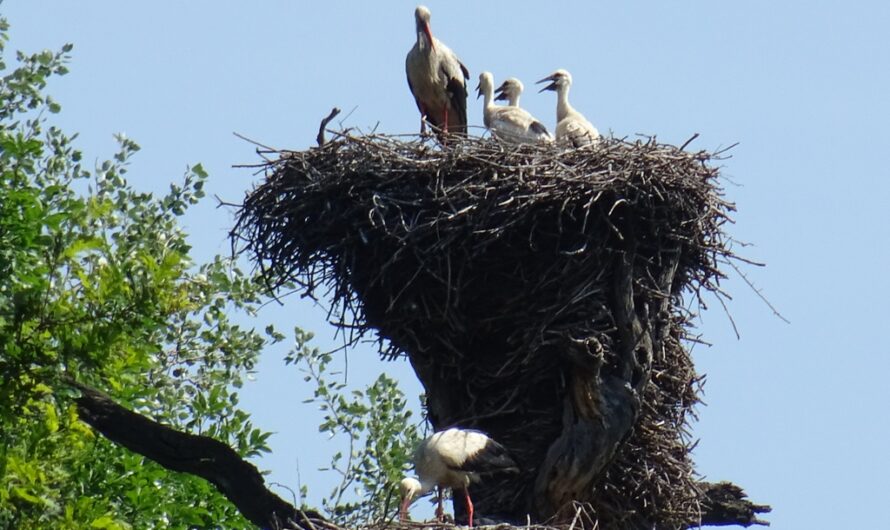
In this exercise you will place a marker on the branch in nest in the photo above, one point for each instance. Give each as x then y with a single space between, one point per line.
324 123
726 504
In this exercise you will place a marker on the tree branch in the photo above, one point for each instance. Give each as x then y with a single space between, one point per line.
603 404
210 459
324 123
725 504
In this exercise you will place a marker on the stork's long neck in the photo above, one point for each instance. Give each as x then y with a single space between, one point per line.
423 43
487 94
563 108
514 99
487 105
425 40
425 487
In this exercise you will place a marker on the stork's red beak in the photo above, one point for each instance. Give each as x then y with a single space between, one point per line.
429 35
403 508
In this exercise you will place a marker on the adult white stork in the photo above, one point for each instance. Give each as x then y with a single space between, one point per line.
571 125
509 91
453 458
437 79
509 124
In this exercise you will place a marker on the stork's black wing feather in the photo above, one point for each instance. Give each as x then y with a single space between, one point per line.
464 69
492 458
457 94
538 128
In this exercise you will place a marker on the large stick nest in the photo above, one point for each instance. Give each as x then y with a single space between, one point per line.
521 282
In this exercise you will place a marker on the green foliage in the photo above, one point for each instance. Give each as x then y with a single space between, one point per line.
96 283
378 429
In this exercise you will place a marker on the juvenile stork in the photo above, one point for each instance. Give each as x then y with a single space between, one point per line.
453 458
509 91
437 79
509 124
571 125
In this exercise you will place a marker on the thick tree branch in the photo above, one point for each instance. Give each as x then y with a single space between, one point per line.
203 456
603 404
726 504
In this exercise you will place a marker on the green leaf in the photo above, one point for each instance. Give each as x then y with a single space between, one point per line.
105 522
22 493
199 171
83 245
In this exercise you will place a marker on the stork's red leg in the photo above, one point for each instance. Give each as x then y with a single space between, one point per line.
469 507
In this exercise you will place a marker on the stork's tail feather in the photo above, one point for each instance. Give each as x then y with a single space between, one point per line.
492 458
539 129
457 94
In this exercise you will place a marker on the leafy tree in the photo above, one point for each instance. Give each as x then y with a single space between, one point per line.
97 285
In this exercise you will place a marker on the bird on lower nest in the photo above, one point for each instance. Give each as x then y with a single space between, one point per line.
453 458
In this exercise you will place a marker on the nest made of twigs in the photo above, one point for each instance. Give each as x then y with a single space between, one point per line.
480 261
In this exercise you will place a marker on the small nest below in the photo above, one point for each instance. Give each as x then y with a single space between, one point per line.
487 264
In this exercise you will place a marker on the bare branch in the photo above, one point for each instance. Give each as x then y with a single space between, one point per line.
726 504
324 123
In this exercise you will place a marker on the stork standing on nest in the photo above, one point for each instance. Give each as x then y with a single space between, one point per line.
510 124
571 125
437 79
453 458
509 91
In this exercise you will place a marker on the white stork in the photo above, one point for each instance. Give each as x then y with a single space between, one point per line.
510 124
453 458
509 91
437 79
571 125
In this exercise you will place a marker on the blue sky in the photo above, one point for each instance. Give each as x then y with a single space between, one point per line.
796 413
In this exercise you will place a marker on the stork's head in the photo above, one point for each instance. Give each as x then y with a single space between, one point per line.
486 82
422 23
410 488
558 79
511 88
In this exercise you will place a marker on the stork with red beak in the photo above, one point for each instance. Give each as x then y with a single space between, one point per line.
437 79
571 126
453 458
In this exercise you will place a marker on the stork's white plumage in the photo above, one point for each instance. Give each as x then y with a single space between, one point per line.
509 124
453 458
509 91
437 79
571 125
